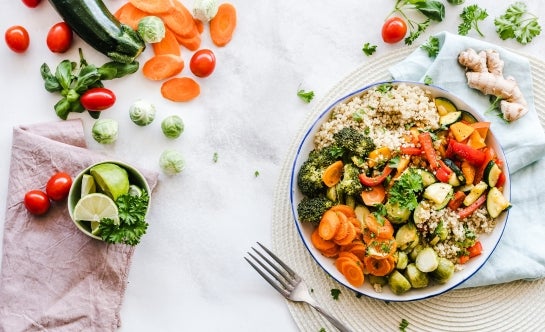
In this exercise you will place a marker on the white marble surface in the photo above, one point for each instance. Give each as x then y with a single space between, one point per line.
188 273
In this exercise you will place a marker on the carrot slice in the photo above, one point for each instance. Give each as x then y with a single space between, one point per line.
160 67
358 249
130 15
200 25
180 89
332 252
191 43
153 7
352 270
357 225
349 237
167 45
332 174
381 248
379 266
383 229
344 209
329 225
180 20
222 26
342 230
320 243
375 195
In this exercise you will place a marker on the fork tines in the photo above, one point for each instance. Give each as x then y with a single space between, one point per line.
286 277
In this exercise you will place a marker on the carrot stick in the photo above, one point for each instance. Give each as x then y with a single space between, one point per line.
153 7
160 67
332 174
180 89
167 45
222 26
329 225
130 15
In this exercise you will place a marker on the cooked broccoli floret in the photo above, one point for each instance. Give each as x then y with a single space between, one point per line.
354 141
309 179
312 209
350 183
325 156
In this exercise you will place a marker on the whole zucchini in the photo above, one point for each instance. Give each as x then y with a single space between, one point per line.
94 23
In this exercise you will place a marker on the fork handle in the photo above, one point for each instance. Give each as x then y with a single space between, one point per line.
337 323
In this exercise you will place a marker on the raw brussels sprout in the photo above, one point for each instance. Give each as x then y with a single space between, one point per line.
205 10
151 29
105 131
171 162
172 126
142 112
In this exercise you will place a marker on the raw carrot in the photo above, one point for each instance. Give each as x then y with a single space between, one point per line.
180 89
191 43
345 209
222 26
375 195
200 25
167 45
153 7
320 243
329 225
160 67
332 174
180 20
130 15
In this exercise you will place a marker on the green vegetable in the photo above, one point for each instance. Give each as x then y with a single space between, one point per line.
94 23
142 112
398 283
311 209
335 293
305 96
431 46
369 49
417 278
105 131
433 10
132 224
172 126
471 15
353 141
215 157
517 23
171 162
350 184
71 81
406 189
444 271
151 29
404 323
205 10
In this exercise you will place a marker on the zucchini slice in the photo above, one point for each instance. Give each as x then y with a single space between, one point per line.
444 106
450 118
439 194
496 203
492 173
475 193
461 179
468 117
427 176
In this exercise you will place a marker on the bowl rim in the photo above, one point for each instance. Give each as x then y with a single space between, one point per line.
71 201
413 294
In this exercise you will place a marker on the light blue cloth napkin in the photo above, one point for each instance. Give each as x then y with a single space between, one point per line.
521 252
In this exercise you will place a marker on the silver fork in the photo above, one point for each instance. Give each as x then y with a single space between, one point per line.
288 283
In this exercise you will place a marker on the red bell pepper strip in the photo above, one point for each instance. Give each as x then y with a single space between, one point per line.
489 154
457 200
443 172
467 211
463 259
475 250
411 150
427 145
466 152
375 181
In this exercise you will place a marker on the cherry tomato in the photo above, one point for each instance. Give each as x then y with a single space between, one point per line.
202 63
59 38
17 38
58 186
37 202
97 99
394 30
32 3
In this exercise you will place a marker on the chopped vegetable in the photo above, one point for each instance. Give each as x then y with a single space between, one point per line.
168 45
335 293
222 26
517 23
154 7
369 49
151 29
471 15
404 323
172 126
205 10
105 131
305 96
160 67
180 89
171 162
142 112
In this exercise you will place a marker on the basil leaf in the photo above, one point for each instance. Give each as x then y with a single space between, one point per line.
50 81
62 108
88 76
434 10
63 73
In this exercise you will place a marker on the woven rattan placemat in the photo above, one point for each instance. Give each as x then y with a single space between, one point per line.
515 306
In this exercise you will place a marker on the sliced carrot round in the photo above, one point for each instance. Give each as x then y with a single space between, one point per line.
375 195
332 174
180 89
167 45
345 209
383 228
130 15
160 67
329 225
222 26
379 266
153 7
320 243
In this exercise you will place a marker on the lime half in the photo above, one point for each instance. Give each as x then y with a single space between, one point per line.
113 180
94 207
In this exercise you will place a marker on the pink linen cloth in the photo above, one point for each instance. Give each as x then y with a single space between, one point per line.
53 277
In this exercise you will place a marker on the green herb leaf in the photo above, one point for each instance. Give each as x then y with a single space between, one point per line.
471 15
403 325
369 49
434 10
406 189
414 34
517 23
305 96
50 81
428 80
63 73
431 46
335 293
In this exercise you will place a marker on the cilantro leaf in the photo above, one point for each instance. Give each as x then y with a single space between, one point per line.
517 23
431 46
305 96
369 49
471 15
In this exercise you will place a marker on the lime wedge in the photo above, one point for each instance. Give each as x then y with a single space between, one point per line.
94 207
88 185
95 230
113 180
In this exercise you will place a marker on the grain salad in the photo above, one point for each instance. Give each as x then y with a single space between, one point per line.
400 185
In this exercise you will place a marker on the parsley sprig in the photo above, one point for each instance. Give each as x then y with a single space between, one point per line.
471 15
431 46
132 224
305 96
406 189
517 23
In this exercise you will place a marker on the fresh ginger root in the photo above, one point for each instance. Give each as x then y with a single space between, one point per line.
485 73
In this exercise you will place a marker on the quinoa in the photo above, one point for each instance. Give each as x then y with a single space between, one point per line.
385 116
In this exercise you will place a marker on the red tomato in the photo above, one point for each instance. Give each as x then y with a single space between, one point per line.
394 30
58 186
97 99
32 3
17 38
37 202
59 38
202 63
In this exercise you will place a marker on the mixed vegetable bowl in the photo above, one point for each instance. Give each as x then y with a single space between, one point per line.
400 191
